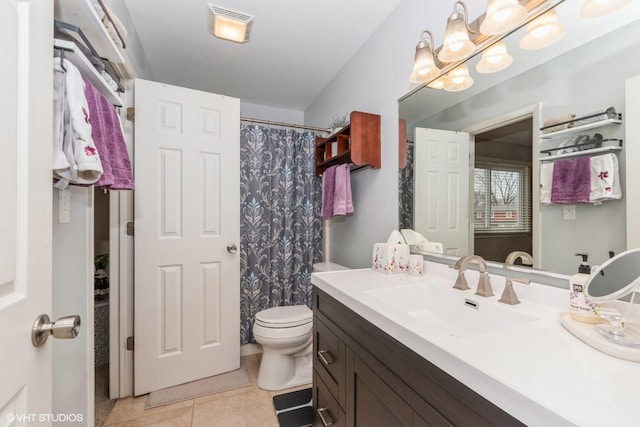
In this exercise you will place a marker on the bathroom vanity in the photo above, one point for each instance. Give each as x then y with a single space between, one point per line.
387 352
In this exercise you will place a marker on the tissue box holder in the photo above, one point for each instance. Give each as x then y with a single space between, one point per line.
390 258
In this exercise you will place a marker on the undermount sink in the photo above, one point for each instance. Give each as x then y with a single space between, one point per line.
451 311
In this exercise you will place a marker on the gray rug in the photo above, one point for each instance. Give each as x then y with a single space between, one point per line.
216 384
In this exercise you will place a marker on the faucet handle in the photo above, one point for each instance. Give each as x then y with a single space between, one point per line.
484 285
461 282
509 294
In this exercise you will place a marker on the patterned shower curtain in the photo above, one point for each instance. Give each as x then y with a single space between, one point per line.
280 224
405 191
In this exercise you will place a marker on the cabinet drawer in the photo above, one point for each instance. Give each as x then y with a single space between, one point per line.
329 360
326 410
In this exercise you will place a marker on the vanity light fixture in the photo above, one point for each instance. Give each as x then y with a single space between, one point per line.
228 24
458 79
596 8
424 67
542 31
457 45
495 58
501 16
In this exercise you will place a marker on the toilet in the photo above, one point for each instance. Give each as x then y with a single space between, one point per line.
286 336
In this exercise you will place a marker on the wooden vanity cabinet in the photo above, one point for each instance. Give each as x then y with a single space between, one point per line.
357 143
364 377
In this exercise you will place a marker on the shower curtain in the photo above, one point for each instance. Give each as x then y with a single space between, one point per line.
280 224
405 191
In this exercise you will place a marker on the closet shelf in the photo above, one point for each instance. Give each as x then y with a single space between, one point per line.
82 14
77 58
591 152
582 128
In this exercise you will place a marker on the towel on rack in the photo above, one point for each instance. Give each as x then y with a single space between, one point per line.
109 138
559 122
112 24
546 182
342 202
605 178
328 191
75 157
571 181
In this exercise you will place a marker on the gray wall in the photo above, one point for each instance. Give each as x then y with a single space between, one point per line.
372 81
590 78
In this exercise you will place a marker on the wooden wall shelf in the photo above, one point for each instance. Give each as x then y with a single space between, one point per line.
357 143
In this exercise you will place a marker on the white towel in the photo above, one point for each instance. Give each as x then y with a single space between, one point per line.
546 182
605 178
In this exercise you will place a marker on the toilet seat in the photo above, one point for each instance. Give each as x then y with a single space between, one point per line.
284 316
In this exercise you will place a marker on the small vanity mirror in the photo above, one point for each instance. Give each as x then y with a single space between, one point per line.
616 278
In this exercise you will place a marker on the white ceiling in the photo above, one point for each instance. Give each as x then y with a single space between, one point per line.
296 46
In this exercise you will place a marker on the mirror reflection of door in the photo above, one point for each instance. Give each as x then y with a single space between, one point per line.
502 191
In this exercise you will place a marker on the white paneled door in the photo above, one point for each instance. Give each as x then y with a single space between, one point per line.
441 213
187 235
25 212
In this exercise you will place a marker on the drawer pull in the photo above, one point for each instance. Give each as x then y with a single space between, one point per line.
325 357
325 416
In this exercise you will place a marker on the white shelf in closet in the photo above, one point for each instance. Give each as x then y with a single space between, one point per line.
591 152
578 129
87 70
82 14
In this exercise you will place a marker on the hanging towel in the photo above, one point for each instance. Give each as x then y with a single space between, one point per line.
605 178
75 158
342 203
571 181
109 138
546 182
328 191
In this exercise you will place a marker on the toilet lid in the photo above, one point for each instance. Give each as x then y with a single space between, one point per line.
285 316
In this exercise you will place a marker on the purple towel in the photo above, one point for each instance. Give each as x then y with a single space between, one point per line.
342 203
328 191
571 181
109 140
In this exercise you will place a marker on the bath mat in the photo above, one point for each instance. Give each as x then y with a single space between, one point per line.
294 409
216 384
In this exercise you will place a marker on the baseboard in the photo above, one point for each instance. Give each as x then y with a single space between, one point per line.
250 349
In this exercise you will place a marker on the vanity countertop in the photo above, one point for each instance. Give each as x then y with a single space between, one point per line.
537 371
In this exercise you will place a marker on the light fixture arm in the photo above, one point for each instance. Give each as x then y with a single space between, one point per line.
465 15
423 40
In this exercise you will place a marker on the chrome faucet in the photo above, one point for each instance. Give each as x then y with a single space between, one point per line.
484 284
524 256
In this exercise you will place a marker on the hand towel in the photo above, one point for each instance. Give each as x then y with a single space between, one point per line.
328 190
605 178
559 122
109 138
76 159
571 181
546 182
342 203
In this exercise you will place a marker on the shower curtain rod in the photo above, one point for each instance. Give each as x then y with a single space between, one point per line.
289 125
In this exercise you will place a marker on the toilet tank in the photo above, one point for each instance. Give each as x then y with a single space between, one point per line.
328 266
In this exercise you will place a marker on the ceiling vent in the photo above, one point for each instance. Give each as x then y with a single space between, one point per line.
229 24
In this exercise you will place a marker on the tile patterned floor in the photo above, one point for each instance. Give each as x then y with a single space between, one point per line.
243 407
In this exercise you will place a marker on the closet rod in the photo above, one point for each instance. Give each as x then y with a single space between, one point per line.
288 125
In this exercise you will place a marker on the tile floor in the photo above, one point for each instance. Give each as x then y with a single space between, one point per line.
243 407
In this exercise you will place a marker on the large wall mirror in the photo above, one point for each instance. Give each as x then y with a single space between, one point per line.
585 71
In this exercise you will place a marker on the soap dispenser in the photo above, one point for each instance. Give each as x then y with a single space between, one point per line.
581 308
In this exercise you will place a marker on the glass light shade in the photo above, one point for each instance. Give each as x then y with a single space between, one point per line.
542 31
457 45
438 83
230 29
596 8
494 59
458 79
424 67
501 16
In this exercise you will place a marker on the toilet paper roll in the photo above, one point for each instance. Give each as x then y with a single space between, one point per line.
416 265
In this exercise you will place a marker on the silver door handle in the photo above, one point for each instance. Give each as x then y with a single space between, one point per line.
64 328
232 248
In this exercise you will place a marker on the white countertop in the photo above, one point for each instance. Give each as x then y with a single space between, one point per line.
537 371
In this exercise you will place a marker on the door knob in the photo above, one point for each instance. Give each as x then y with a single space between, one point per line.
232 248
63 328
